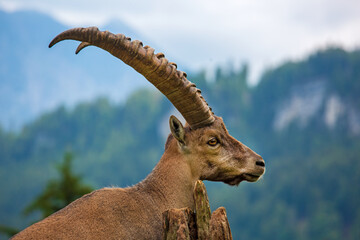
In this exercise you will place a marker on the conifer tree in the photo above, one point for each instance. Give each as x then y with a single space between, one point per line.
60 192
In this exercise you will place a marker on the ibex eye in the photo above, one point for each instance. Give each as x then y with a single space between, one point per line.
213 142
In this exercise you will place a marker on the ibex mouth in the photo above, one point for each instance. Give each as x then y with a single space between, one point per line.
243 177
251 177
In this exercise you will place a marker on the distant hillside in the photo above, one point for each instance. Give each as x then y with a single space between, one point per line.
324 86
302 118
35 79
319 95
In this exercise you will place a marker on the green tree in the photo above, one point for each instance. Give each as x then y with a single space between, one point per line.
57 194
60 192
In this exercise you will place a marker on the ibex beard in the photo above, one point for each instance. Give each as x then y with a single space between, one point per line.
202 150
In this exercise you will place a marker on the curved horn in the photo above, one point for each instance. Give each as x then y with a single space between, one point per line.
82 46
154 67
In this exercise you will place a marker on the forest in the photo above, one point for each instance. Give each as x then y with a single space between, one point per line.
303 118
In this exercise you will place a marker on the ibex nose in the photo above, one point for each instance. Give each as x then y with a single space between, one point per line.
260 162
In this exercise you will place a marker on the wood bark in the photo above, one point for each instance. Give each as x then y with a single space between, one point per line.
184 224
202 210
219 225
179 224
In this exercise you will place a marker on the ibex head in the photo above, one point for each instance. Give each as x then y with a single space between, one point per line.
219 157
215 155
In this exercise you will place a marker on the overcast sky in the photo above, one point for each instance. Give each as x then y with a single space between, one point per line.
202 33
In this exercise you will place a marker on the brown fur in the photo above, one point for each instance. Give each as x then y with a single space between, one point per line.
135 212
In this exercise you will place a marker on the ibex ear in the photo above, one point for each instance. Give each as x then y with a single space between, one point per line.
177 129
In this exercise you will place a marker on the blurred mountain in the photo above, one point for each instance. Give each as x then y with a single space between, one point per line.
302 117
322 91
35 79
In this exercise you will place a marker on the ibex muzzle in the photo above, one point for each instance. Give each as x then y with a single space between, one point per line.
203 149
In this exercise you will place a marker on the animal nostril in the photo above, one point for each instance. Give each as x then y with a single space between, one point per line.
260 163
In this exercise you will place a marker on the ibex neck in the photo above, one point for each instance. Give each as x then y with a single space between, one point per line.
171 183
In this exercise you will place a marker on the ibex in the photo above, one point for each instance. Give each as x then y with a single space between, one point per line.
202 149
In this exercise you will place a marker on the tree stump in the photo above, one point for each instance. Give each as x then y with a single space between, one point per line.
219 225
202 210
179 224
184 224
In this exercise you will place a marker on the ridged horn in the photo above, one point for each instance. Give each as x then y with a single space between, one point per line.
82 46
173 83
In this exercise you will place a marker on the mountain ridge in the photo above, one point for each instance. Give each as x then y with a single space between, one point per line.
306 193
34 79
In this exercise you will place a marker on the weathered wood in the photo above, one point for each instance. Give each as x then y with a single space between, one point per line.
192 225
202 210
219 225
179 224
